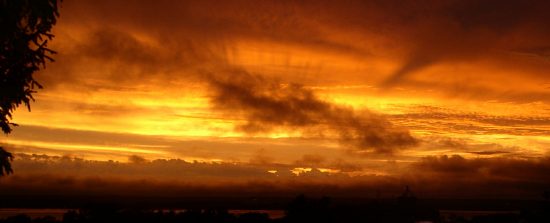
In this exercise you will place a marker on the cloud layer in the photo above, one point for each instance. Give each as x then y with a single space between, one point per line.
432 177
293 85
268 104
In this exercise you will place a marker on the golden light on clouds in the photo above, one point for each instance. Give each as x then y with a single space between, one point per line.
368 86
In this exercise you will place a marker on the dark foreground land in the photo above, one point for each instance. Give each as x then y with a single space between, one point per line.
298 209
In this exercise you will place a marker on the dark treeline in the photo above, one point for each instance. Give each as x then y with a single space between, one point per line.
405 208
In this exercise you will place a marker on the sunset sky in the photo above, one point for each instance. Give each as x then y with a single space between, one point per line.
348 89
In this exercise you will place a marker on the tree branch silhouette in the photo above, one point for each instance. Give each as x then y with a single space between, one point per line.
5 162
26 29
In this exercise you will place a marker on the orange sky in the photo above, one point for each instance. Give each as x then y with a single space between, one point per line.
375 85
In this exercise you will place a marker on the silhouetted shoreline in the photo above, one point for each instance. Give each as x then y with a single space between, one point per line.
405 208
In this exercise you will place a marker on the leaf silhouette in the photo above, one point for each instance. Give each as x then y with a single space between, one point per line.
5 162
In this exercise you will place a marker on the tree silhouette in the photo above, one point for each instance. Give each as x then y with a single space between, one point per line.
5 159
25 30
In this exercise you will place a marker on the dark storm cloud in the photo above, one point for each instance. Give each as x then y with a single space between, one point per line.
445 176
481 177
314 184
536 170
138 167
268 104
167 169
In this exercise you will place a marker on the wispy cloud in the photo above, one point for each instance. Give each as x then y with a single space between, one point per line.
269 104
